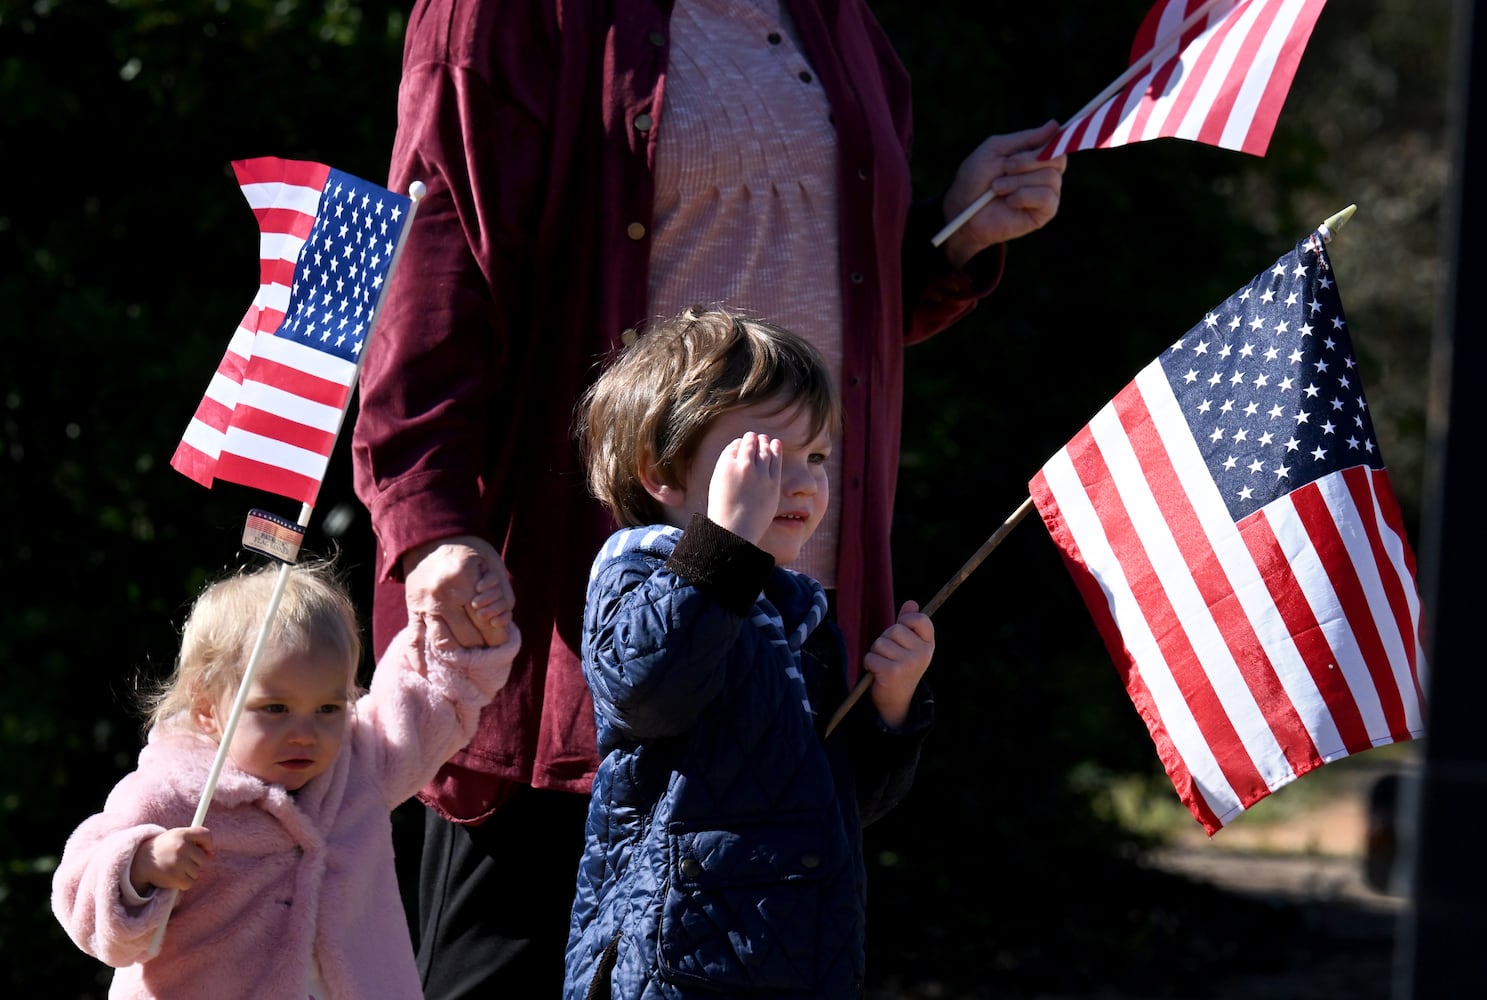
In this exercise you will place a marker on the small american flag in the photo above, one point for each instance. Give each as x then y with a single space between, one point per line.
1229 522
1215 72
273 410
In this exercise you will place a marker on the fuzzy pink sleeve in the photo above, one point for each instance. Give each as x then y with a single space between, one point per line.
87 898
425 702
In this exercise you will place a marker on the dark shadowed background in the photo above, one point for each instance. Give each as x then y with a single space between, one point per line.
127 255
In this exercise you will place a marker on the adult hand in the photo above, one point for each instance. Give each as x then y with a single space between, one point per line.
1027 191
461 579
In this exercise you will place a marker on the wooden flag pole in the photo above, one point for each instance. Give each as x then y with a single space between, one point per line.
1132 71
866 680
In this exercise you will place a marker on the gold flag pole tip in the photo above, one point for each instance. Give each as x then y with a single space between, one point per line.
1329 228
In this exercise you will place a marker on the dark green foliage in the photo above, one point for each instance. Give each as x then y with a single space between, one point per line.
127 255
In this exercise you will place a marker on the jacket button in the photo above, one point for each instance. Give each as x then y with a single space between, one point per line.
857 277
691 867
810 861
627 336
657 39
636 231
643 122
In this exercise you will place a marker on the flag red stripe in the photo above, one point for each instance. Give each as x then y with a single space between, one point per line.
1229 616
291 432
272 170
284 221
276 271
1361 483
1341 573
1404 576
1096 600
193 464
297 382
1311 642
261 475
1267 111
1197 79
1216 115
1165 624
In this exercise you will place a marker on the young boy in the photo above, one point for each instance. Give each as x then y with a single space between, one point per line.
723 846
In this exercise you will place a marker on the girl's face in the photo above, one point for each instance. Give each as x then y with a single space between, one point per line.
294 717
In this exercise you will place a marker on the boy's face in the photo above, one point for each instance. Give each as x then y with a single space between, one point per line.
294 718
789 507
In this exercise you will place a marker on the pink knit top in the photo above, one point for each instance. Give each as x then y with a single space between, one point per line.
746 200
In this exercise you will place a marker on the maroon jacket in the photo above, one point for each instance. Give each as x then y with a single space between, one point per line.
534 126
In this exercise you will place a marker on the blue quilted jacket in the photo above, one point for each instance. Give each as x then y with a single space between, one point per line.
724 852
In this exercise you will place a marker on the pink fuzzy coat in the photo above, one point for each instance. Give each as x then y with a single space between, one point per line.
295 878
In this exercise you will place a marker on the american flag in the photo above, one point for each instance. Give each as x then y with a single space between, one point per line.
1215 72
273 410
1228 519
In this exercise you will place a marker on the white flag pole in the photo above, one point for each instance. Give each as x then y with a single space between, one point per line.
224 738
416 191
1135 69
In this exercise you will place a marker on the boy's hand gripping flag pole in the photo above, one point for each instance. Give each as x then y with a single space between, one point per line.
1215 72
272 412
866 680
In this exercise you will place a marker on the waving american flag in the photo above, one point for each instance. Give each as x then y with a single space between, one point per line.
1229 521
1215 72
273 410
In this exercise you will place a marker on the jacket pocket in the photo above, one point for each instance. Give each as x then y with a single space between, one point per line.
742 907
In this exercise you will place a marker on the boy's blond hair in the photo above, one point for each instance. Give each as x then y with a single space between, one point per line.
652 406
315 613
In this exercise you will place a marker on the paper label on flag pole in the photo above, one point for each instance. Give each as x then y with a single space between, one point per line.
273 410
272 536
1229 522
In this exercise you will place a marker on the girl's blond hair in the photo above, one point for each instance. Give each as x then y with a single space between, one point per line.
315 614
655 403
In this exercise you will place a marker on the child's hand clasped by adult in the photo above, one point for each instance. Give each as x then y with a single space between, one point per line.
744 494
463 581
171 860
897 660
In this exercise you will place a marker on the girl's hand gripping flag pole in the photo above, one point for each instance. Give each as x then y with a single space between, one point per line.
328 244
1215 72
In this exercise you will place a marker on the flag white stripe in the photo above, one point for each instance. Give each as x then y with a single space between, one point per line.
277 194
272 451
1243 575
1207 89
1326 608
1257 77
1174 714
306 359
280 246
1185 594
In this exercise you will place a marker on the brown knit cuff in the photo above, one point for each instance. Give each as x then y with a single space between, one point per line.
729 568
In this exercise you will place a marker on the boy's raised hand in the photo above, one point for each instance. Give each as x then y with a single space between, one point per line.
897 660
171 860
744 494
